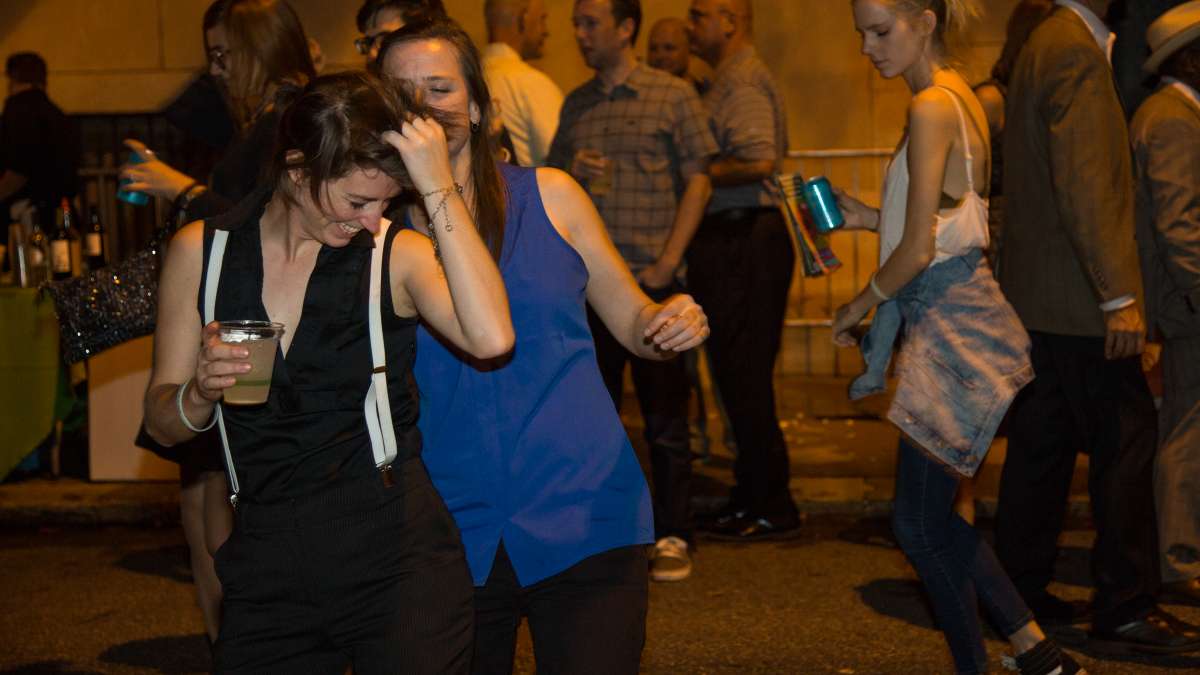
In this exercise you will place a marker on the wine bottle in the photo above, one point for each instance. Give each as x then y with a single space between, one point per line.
37 249
93 240
60 244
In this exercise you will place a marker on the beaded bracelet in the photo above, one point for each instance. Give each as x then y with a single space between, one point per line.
183 417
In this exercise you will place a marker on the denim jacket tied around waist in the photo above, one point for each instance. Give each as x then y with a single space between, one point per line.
963 356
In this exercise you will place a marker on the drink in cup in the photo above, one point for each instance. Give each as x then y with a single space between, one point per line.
135 198
600 185
260 338
823 206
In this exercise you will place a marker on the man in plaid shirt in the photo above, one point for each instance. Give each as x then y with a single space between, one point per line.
639 141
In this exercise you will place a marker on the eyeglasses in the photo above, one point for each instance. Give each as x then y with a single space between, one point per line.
366 43
218 57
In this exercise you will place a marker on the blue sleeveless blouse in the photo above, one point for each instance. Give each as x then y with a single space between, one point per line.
529 449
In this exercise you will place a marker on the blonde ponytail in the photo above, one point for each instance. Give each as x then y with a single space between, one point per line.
952 16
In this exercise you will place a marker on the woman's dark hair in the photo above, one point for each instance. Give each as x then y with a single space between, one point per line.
267 46
1025 17
336 125
490 192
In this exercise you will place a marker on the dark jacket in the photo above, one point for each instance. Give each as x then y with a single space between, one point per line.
1166 144
1068 239
38 141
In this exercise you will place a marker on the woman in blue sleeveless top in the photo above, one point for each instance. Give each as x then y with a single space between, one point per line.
528 451
342 553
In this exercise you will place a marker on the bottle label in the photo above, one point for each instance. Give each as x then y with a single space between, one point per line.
92 244
60 256
36 257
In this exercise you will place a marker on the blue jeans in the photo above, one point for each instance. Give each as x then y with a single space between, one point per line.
956 565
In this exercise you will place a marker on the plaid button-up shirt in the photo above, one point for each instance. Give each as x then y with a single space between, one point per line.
655 132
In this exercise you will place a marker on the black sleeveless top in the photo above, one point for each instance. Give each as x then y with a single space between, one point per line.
311 433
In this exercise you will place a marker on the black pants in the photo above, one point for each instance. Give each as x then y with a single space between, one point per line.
364 575
739 269
590 618
1081 402
662 390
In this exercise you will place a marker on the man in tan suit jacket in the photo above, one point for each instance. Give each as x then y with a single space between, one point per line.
1069 267
1166 143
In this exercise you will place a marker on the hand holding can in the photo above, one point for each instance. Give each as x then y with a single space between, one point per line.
135 198
822 204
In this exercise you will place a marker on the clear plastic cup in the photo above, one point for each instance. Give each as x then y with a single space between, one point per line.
260 338
601 185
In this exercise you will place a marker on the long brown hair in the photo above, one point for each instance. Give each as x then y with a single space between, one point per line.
335 125
490 190
267 46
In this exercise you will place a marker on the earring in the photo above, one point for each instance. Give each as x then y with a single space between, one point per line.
474 127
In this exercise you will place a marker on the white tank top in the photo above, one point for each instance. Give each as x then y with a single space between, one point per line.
958 231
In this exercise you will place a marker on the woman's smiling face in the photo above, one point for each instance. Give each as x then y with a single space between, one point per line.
349 204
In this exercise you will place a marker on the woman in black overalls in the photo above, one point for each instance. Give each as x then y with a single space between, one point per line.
258 56
342 552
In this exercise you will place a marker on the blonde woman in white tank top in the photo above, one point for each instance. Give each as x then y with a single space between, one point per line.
957 327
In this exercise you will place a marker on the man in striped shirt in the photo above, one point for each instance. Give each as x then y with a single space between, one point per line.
740 266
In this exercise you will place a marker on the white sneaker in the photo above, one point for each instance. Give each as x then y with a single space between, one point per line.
670 561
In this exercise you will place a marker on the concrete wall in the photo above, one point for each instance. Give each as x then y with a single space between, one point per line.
132 55
127 56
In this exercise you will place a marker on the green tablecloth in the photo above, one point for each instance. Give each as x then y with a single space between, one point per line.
29 373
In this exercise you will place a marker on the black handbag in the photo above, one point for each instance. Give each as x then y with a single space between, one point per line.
111 305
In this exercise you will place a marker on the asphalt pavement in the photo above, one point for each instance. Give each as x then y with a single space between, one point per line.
841 599
94 576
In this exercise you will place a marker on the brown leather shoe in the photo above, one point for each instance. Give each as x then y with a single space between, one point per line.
1187 591
1157 633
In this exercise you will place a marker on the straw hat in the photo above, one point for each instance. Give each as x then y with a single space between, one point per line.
1171 32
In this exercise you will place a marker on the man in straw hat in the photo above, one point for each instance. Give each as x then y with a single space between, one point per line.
1166 141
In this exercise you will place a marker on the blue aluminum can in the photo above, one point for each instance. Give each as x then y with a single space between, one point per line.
818 194
135 198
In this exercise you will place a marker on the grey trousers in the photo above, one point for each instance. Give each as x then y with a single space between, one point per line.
1177 470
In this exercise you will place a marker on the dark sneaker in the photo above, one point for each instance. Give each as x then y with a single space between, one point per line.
753 528
1046 658
1156 633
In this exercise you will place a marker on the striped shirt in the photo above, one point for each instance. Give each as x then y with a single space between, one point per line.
655 132
749 123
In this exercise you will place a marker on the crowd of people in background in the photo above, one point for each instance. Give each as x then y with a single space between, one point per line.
531 247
